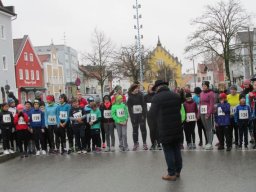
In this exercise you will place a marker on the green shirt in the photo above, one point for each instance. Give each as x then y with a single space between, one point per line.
183 113
95 117
119 113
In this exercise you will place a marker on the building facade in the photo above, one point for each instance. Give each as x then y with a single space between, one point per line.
7 71
28 69
53 73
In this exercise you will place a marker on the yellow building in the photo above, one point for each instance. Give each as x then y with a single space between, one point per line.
163 65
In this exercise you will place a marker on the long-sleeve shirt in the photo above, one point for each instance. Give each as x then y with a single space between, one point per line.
222 115
6 120
21 123
136 105
119 113
63 111
233 100
50 114
207 100
36 119
76 113
243 113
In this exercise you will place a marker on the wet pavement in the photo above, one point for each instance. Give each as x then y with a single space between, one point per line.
211 171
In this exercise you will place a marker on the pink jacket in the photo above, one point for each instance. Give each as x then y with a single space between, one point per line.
207 98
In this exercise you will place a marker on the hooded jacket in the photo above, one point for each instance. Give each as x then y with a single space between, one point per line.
51 114
21 122
222 115
134 101
36 119
207 98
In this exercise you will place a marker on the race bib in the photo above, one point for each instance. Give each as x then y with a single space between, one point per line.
220 112
107 114
120 112
93 117
63 115
52 119
232 110
191 117
243 114
7 118
13 111
36 117
77 115
21 121
148 106
203 109
137 109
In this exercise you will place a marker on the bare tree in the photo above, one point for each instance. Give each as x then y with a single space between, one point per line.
216 30
101 58
127 65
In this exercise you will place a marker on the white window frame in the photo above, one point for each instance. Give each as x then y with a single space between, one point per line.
4 62
21 74
25 56
32 75
31 57
2 32
37 75
26 74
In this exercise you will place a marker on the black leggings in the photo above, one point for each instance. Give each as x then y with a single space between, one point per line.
39 139
22 139
95 136
137 122
200 130
189 128
6 135
60 137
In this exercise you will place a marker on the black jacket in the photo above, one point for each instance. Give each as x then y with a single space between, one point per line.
137 99
102 109
6 120
165 110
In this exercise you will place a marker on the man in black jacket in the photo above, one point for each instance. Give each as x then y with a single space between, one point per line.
165 110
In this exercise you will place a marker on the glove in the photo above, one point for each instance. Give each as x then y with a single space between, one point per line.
20 114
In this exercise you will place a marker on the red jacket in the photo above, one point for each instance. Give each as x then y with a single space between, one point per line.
82 103
21 123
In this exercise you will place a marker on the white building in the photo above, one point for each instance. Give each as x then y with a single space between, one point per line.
7 70
123 82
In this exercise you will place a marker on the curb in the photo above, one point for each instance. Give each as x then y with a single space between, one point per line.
4 158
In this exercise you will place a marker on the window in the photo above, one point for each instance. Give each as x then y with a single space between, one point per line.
32 75
25 56
4 63
160 62
209 78
37 75
21 74
31 58
2 33
26 74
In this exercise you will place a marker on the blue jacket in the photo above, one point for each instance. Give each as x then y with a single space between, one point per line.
242 107
36 118
196 98
223 120
50 113
63 113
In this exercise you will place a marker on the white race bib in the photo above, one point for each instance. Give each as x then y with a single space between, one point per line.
36 117
13 111
220 112
137 109
191 117
107 114
203 109
93 117
243 114
77 115
21 121
52 119
63 115
7 118
148 106
232 110
120 112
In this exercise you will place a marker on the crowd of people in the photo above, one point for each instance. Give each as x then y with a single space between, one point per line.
40 128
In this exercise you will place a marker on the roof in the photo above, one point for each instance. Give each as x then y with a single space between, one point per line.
44 58
245 36
7 9
18 45
90 71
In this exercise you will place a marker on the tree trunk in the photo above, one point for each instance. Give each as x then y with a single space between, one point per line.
101 89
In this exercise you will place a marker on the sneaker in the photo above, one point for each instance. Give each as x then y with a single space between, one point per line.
190 146
112 149
181 146
220 148
26 155
22 156
229 149
43 152
246 147
6 152
37 153
104 145
11 151
135 147
126 149
145 147
107 149
254 147
63 151
84 151
178 175
169 178
217 144
153 147
79 152
240 147
159 147
200 144
193 145
97 150
88 150
208 147
121 149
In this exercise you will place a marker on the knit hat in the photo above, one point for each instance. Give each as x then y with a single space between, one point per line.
28 101
49 98
90 99
38 94
241 96
233 87
119 98
188 95
223 96
20 107
206 83
118 87
36 101
197 90
10 100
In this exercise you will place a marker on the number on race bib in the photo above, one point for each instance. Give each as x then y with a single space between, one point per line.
93 117
203 109
36 117
107 114
191 117
243 114
52 119
7 118
120 112
21 121
77 115
148 106
232 110
137 109
63 115
220 112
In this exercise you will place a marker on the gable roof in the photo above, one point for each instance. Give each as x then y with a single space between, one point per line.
89 71
44 58
7 9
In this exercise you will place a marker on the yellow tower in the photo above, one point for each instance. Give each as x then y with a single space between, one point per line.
163 65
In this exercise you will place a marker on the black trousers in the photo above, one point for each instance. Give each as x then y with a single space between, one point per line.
49 136
233 128
39 139
22 140
153 131
6 135
224 135
60 138
95 136
189 128
201 129
254 129
79 131
88 136
103 134
70 135
12 137
138 121
243 132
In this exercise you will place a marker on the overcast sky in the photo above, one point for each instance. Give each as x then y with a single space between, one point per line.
44 20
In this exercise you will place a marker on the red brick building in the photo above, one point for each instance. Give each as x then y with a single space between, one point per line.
28 69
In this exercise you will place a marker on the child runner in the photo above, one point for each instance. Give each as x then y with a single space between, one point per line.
27 110
13 110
